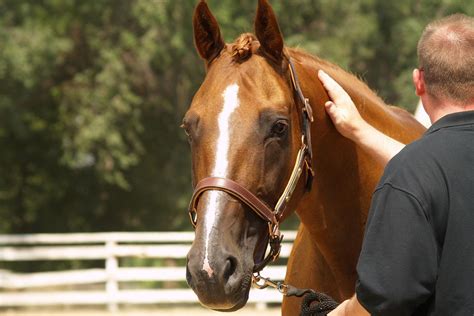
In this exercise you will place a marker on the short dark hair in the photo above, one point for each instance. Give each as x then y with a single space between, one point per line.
446 56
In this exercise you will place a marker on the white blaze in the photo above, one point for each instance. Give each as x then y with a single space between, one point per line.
231 102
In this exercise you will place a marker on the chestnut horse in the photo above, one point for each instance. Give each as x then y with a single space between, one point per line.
244 124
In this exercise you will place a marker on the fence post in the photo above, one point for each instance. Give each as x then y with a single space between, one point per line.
111 267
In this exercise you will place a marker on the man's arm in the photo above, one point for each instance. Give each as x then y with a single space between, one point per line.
350 124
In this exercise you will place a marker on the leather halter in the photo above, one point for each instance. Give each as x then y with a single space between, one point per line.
272 216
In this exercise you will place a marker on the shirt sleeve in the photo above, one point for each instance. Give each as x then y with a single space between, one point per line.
398 263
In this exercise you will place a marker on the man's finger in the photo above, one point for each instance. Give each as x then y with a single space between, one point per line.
330 84
334 90
328 104
330 109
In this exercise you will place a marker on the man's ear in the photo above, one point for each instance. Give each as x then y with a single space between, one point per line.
419 82
207 35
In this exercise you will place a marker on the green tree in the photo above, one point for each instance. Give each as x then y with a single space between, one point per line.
92 94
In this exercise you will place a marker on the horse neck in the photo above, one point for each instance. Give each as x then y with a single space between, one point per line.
345 174
334 212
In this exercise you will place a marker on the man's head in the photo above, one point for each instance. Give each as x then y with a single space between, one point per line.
446 60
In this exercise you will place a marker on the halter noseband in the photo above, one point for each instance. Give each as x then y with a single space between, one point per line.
273 216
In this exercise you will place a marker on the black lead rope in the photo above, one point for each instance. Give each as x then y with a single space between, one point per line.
314 303
317 304
294 291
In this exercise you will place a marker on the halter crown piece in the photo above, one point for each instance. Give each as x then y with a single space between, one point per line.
273 216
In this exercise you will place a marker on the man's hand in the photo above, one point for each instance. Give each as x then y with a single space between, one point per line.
350 307
342 109
350 124
340 310
320 304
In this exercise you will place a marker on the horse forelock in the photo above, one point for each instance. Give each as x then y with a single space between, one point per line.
243 47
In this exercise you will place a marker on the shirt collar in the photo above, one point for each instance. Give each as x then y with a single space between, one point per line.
451 120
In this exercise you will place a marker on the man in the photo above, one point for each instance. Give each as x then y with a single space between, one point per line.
417 256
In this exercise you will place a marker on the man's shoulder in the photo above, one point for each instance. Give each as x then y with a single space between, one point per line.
438 146
422 149
415 166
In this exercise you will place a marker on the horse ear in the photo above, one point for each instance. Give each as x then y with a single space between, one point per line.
207 35
268 32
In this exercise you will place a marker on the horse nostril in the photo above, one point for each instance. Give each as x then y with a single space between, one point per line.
230 267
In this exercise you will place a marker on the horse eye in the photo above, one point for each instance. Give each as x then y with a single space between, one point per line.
280 128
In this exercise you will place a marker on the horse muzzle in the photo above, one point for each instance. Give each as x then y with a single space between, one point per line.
220 280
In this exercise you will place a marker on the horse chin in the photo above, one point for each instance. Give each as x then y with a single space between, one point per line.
240 303
234 301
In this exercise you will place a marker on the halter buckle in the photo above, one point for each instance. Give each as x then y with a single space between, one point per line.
274 241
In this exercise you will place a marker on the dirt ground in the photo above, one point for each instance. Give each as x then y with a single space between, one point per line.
188 311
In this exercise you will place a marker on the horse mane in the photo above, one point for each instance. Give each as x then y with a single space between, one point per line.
247 44
350 81
367 101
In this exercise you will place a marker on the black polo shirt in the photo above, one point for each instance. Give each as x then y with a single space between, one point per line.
418 252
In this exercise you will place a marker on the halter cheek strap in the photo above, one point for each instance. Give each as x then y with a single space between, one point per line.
271 216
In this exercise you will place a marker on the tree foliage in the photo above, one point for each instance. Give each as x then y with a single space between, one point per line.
92 94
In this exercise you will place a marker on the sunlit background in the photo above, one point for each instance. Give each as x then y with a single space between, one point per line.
92 94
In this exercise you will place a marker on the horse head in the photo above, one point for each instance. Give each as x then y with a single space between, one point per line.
244 125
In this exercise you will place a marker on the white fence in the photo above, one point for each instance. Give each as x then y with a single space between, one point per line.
60 287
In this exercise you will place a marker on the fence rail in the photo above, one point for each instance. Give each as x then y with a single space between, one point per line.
26 289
